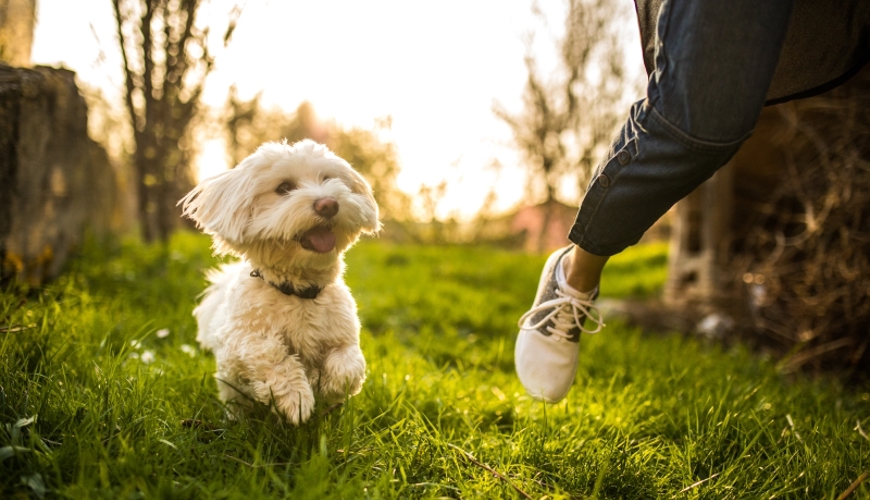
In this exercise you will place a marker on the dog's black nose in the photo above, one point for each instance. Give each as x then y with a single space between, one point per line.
326 207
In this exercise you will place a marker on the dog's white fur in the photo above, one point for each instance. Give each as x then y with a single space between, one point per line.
270 346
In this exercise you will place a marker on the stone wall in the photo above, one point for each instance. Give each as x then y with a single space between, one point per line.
55 182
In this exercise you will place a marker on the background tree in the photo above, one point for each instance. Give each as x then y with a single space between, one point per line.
569 114
248 125
166 61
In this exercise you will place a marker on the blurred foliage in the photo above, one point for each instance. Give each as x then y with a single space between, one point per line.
248 125
803 259
167 55
110 127
371 152
570 112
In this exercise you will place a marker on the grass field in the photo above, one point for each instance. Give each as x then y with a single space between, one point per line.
104 394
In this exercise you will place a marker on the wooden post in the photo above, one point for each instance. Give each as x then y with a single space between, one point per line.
699 238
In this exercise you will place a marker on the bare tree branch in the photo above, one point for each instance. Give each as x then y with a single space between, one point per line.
569 115
164 80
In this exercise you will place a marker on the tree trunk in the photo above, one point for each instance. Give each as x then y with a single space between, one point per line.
55 182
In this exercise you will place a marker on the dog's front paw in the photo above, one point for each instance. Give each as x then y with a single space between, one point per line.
297 405
343 373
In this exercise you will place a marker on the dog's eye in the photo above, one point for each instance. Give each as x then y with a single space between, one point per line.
326 178
285 187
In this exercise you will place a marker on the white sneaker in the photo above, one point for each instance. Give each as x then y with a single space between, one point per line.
547 347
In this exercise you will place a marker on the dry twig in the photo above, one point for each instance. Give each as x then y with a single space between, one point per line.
489 469
854 486
807 251
697 483
860 430
15 328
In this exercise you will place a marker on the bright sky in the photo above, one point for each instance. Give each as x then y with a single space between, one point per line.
435 67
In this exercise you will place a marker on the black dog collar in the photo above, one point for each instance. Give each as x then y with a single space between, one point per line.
289 289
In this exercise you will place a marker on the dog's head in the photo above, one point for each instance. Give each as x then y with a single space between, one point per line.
296 204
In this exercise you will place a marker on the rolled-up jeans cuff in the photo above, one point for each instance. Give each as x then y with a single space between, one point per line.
651 166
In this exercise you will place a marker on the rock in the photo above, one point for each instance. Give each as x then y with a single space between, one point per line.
715 326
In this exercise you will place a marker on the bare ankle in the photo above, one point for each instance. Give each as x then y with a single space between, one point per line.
583 269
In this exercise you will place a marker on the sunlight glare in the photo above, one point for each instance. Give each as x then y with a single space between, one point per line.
435 69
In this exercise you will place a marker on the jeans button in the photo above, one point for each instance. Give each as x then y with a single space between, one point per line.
623 157
604 180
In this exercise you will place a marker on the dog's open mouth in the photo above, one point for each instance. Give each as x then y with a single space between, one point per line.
318 239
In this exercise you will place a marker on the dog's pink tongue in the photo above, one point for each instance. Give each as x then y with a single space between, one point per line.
322 240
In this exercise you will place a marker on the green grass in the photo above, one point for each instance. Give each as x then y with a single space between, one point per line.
94 404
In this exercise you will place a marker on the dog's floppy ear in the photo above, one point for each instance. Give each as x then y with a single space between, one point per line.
359 185
221 205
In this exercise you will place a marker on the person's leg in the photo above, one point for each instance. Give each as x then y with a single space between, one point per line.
583 269
714 63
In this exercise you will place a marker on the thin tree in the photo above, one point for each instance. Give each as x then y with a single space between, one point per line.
166 60
569 115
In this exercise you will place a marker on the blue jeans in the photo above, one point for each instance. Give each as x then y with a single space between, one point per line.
714 63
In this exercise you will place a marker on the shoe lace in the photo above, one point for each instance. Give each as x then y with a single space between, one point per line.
568 312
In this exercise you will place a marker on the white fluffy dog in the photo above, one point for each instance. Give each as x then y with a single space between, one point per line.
281 323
